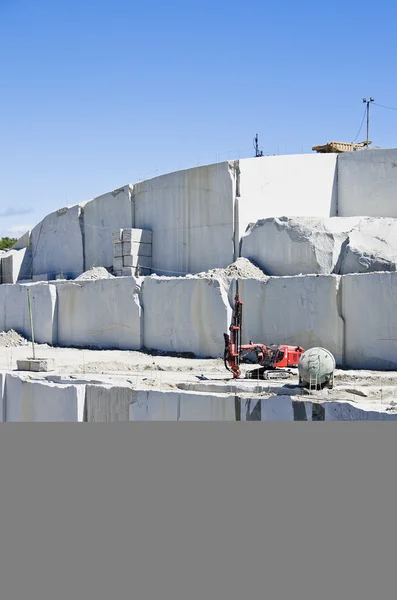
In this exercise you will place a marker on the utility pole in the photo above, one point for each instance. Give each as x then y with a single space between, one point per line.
368 103
31 323
256 146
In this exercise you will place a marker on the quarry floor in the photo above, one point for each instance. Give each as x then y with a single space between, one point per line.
377 389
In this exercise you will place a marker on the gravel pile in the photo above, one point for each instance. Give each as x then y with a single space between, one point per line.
242 268
95 273
11 339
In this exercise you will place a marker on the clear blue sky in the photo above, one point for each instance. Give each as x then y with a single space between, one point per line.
96 94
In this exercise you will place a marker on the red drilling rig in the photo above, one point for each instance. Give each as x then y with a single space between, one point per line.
274 360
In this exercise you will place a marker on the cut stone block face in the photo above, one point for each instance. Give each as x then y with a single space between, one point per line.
16 265
14 313
191 215
117 235
118 250
26 269
108 403
39 401
129 261
118 263
301 184
369 306
206 407
37 365
346 411
102 216
304 311
104 313
128 272
2 396
141 236
277 408
185 315
156 405
3 295
300 311
57 243
367 183
130 248
134 261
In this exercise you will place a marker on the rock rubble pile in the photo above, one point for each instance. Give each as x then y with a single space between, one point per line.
11 339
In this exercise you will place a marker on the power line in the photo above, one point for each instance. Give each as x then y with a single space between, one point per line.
361 126
382 106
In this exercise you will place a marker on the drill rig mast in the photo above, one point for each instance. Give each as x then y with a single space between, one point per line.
272 359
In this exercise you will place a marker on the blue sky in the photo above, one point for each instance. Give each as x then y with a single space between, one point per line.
97 94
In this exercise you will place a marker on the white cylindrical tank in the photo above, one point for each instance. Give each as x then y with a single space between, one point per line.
316 368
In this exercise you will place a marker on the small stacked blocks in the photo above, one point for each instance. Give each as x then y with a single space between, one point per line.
132 252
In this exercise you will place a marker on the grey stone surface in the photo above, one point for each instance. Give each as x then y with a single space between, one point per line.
367 183
363 253
191 214
108 403
14 313
129 261
369 306
142 236
16 264
291 246
302 311
118 263
154 405
118 249
2 397
185 315
134 261
57 242
104 313
37 365
42 277
292 185
128 271
294 246
137 248
26 270
117 235
31 400
142 261
102 216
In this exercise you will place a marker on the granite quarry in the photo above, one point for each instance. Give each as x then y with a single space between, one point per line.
132 291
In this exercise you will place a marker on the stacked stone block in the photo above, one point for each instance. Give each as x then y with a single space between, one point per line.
16 265
1 269
132 252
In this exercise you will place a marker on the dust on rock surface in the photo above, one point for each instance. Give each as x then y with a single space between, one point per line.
11 338
242 267
147 369
95 273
